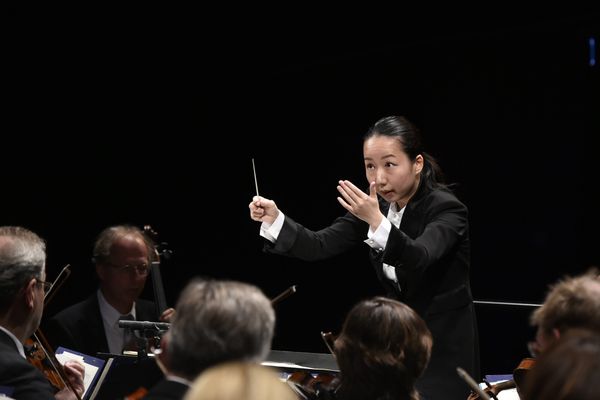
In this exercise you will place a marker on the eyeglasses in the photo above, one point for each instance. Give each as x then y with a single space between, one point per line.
46 285
141 269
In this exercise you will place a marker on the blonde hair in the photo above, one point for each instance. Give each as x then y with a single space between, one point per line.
239 381
573 302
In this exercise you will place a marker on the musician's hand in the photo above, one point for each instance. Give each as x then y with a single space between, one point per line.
74 370
475 396
263 210
491 392
167 315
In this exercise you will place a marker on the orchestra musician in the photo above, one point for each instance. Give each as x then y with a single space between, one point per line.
22 289
216 321
122 257
567 370
571 303
239 381
383 349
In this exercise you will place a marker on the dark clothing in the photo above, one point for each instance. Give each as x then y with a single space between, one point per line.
19 376
80 327
431 256
167 390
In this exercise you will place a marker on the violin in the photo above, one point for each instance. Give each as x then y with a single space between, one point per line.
37 348
517 382
310 385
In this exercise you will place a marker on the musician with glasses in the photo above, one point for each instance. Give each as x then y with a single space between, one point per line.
23 288
122 256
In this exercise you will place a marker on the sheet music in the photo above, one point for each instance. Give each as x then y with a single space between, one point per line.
293 366
506 394
92 366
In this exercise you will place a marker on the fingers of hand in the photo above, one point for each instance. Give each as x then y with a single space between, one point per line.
373 190
74 367
257 213
347 196
351 193
167 315
344 204
352 188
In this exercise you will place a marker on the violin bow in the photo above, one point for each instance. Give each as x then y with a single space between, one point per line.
58 282
464 375
41 339
54 363
283 295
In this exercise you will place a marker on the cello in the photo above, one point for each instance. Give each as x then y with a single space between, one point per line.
160 251
149 339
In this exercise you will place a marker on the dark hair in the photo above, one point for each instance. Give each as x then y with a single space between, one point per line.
569 370
409 137
383 348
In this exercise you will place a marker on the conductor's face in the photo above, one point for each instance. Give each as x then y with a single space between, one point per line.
123 274
396 176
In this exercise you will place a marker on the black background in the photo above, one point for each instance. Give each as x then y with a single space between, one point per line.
152 116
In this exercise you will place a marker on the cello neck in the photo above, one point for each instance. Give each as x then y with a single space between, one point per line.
159 290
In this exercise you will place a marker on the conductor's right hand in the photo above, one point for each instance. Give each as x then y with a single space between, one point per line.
263 210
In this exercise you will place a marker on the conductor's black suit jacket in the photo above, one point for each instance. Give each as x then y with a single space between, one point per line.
431 256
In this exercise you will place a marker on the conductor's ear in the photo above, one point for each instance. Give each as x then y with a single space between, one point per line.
418 164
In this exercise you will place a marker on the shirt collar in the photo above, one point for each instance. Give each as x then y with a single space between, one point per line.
19 345
394 208
110 315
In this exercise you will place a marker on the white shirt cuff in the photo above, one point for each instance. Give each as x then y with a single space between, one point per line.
378 239
271 231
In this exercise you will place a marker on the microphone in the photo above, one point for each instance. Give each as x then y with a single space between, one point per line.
144 325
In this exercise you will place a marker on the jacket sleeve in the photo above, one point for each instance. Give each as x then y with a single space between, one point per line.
297 241
442 226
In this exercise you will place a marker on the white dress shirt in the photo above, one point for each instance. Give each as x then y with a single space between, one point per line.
115 336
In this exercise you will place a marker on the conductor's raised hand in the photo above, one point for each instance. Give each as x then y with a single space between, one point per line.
263 210
362 205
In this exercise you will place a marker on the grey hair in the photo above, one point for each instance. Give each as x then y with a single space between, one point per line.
218 321
110 235
22 257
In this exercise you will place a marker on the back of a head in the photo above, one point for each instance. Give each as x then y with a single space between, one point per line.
573 302
22 257
218 321
383 348
239 381
569 370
